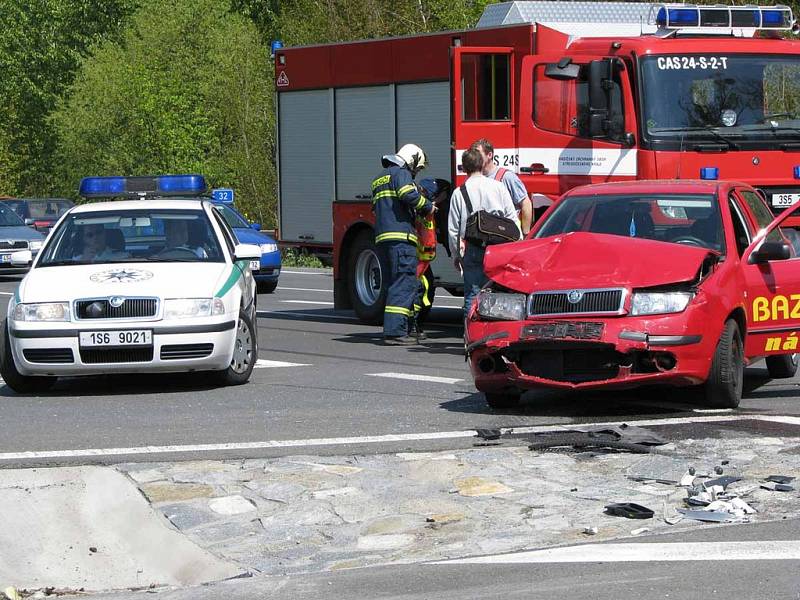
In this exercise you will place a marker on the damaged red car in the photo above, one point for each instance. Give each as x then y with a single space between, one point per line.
640 283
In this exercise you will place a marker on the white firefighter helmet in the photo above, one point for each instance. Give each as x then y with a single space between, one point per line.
414 157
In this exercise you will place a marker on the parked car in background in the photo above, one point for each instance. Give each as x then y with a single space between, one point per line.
14 236
39 213
250 233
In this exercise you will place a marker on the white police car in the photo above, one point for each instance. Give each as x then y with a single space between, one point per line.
150 285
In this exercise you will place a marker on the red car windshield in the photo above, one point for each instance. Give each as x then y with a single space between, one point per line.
675 218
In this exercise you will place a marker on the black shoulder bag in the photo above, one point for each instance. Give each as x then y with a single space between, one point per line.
485 229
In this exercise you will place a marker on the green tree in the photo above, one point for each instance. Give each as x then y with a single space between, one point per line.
188 89
41 48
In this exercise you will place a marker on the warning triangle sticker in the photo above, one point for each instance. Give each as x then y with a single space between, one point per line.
283 80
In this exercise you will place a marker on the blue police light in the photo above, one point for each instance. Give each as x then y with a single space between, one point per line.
149 185
797 172
772 18
222 195
275 46
709 173
181 184
102 186
671 17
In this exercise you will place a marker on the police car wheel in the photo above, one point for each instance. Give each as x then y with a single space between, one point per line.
365 279
245 353
723 389
782 367
22 384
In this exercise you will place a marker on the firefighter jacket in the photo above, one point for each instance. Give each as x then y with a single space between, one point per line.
396 203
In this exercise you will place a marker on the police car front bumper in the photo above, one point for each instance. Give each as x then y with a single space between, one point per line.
52 349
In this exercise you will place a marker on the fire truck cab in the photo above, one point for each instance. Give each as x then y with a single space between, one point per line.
569 93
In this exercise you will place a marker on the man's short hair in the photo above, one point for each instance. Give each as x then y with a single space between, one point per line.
483 143
471 161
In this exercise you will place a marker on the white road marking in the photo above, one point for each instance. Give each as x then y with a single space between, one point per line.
658 552
413 377
307 302
284 271
265 313
262 363
306 290
370 439
6 293
712 410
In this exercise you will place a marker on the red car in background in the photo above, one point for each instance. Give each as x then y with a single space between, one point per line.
652 282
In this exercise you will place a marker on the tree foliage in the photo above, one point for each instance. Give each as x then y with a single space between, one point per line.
42 46
188 89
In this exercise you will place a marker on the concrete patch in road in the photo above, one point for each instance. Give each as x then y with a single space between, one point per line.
89 527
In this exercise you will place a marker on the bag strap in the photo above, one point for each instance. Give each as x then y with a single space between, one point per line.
465 195
500 173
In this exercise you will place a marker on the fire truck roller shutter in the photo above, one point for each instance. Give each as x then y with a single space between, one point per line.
364 133
423 118
306 165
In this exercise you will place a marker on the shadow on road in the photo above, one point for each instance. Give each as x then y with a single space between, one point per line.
119 385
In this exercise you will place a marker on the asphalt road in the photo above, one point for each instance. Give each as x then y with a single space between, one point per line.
335 387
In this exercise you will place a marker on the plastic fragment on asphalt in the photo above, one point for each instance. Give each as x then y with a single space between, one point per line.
590 530
629 510
724 482
777 487
688 479
640 530
780 479
740 504
706 515
488 434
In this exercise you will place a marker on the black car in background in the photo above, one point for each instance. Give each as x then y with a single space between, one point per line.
39 213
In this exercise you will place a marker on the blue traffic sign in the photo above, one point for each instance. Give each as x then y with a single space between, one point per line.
224 195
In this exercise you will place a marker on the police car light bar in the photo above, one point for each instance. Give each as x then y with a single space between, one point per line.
682 16
151 185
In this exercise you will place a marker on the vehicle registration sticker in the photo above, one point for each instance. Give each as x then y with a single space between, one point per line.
255 265
129 337
6 258
784 200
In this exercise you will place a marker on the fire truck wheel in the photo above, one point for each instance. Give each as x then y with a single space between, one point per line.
365 279
724 386
782 367
502 401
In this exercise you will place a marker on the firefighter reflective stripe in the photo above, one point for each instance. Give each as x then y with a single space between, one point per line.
398 310
381 181
425 300
384 194
421 202
396 236
409 188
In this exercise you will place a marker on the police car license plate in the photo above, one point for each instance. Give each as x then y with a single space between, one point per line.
784 200
255 265
129 337
6 258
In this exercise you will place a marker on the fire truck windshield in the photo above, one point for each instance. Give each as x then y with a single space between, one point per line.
741 101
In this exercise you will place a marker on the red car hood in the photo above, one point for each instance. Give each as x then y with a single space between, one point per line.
587 260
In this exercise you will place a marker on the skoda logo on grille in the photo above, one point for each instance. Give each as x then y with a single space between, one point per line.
575 296
116 301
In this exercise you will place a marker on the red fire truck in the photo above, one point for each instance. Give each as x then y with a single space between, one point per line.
570 93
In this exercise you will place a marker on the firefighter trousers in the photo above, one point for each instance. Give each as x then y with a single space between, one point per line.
400 259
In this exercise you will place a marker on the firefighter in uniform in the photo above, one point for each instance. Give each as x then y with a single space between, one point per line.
396 203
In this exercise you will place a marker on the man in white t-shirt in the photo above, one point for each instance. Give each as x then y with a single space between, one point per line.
484 194
515 187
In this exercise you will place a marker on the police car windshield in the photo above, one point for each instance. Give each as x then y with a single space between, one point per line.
751 100
142 235
8 218
676 218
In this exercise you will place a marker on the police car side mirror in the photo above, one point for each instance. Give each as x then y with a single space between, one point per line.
246 252
770 251
21 258
256 226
